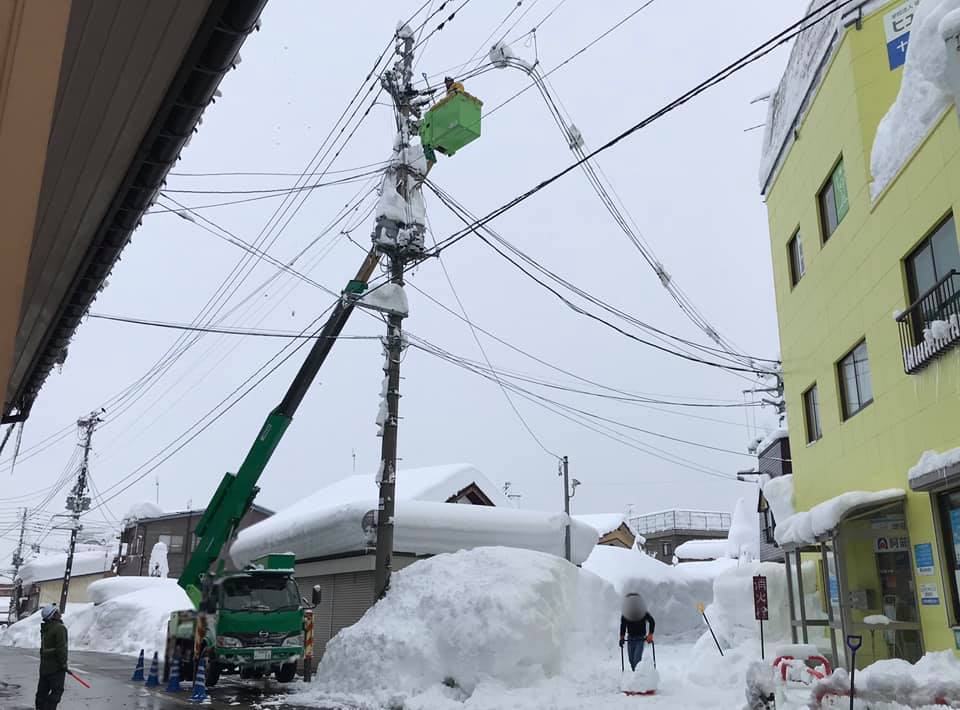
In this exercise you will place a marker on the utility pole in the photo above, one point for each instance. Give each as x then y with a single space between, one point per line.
14 611
398 236
78 501
569 490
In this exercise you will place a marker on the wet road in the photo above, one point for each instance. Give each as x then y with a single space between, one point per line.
109 677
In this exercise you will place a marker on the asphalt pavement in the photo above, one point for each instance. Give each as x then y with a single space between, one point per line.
110 686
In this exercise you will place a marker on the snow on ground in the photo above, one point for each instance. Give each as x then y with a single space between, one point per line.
924 94
898 684
495 628
122 624
88 561
805 526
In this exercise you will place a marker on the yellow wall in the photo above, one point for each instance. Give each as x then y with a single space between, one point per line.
853 284
50 589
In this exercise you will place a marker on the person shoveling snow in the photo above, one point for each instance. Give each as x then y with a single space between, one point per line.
634 619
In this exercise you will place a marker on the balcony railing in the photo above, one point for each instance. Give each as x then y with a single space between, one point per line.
681 520
931 325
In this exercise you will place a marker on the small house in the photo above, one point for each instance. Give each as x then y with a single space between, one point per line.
42 577
611 528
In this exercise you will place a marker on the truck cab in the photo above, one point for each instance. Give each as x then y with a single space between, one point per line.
251 623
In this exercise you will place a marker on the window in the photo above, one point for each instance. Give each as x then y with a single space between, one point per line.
795 251
949 505
811 412
174 543
930 262
856 388
667 550
769 525
833 201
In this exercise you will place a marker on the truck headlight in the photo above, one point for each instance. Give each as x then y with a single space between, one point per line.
295 640
229 642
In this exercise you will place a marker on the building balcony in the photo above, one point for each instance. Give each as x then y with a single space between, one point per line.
930 327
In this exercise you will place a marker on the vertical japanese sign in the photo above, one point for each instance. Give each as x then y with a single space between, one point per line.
760 598
896 26
760 610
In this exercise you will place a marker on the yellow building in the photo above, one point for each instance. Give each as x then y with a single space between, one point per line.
865 290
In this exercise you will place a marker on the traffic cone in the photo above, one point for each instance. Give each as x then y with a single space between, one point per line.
173 685
138 671
200 683
153 679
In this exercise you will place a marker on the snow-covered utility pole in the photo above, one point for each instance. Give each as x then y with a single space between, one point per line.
398 236
78 501
568 493
14 612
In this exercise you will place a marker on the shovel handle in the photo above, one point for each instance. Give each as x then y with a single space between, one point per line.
77 678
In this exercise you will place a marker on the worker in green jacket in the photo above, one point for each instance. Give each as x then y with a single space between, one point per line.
53 658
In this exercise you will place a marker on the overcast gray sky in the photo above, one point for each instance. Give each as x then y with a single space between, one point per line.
689 180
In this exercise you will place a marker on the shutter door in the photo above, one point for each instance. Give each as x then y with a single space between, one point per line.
353 595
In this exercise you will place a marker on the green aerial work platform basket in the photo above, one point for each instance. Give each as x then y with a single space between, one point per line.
451 123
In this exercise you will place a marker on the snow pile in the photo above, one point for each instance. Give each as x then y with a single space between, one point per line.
387 298
702 549
671 592
141 510
159 565
924 94
933 680
46 567
644 679
732 616
937 336
466 619
743 539
806 526
603 523
105 589
778 493
122 624
932 461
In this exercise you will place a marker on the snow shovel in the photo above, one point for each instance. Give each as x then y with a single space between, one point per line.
623 668
653 647
77 678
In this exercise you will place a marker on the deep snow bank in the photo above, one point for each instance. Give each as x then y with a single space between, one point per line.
122 624
671 592
934 678
503 614
105 589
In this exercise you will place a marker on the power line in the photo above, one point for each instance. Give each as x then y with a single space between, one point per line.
288 334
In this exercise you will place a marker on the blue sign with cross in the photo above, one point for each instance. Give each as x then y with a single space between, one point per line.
896 27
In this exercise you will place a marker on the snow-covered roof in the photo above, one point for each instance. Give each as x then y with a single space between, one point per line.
420 527
809 57
771 438
924 95
702 550
808 525
143 509
603 522
47 567
932 465
430 483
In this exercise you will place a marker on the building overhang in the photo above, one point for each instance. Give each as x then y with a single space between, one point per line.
934 481
881 501
134 80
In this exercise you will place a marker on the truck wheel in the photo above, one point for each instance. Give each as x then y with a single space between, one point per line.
287 672
213 673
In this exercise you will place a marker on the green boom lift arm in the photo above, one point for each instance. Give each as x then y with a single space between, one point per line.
236 492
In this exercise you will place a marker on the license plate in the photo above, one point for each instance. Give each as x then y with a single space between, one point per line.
262 654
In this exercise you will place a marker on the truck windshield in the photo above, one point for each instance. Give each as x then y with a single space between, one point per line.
260 593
